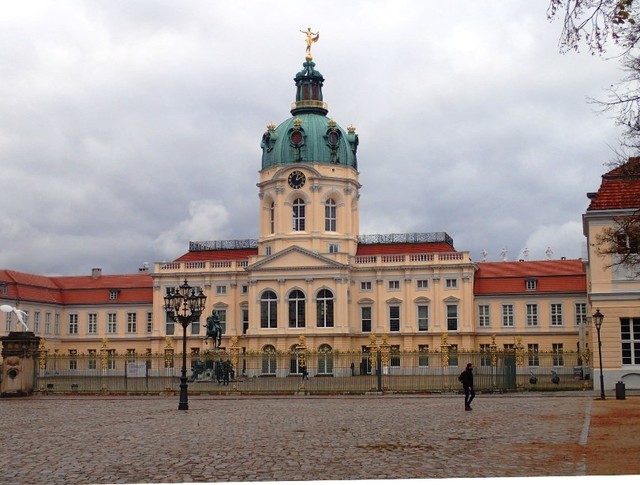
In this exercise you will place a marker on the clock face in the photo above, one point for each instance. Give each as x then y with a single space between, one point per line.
296 179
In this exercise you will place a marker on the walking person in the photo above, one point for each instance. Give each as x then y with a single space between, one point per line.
466 378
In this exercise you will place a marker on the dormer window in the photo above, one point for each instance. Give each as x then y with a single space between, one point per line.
113 294
531 284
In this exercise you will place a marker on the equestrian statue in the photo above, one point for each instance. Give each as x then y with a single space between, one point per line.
214 330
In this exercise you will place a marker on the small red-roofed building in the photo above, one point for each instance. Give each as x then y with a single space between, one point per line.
540 305
614 289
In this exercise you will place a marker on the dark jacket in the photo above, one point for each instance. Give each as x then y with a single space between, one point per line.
466 378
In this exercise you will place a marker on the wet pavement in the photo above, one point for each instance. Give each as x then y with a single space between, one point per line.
95 439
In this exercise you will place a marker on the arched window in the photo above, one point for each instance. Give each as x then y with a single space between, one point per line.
325 359
268 310
272 218
324 308
269 361
298 215
330 217
297 306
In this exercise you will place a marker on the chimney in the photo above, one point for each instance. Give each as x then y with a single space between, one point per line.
96 273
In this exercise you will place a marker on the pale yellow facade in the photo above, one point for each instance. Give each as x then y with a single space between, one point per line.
615 291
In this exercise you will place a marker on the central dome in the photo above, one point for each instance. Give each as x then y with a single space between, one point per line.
309 136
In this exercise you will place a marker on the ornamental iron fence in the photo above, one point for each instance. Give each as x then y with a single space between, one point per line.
223 371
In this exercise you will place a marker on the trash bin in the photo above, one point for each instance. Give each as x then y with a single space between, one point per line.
620 390
578 373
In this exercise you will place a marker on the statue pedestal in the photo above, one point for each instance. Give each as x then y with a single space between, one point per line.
19 361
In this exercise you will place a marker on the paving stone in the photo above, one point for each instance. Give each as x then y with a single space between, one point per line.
147 440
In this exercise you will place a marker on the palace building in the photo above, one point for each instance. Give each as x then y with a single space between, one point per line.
311 273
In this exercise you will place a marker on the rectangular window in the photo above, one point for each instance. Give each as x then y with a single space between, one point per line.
245 320
92 323
365 285
111 359
531 285
394 318
132 322
334 248
628 243
36 322
149 326
630 340
507 315
534 356
394 356
365 318
453 355
169 323
73 359
581 313
113 294
532 314
56 324
221 289
394 285
47 323
423 318
452 317
451 283
8 322
558 357
92 363
73 324
556 314
330 216
423 355
267 251
484 319
298 215
131 355
112 323
485 354
222 317
422 284
244 289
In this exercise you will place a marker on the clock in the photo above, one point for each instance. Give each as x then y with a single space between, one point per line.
296 179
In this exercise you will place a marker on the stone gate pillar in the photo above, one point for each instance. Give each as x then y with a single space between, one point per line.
19 363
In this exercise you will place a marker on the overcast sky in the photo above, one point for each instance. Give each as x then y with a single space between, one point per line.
128 128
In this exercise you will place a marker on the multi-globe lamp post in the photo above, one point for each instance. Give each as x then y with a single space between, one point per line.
185 306
597 321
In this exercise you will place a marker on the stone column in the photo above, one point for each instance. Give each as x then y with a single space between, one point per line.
19 364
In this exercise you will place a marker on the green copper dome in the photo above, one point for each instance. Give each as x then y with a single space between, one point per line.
309 136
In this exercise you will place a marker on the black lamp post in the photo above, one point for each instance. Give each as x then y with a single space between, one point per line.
185 307
597 321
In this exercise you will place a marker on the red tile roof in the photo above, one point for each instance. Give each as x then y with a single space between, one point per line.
620 188
404 248
78 290
552 276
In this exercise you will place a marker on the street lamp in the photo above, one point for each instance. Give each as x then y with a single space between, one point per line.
184 306
597 321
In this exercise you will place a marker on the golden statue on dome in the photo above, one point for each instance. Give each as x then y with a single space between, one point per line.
310 40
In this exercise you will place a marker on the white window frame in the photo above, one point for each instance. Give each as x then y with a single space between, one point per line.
508 315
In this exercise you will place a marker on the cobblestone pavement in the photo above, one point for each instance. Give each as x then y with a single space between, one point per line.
50 439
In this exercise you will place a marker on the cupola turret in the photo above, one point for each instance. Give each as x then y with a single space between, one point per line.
309 136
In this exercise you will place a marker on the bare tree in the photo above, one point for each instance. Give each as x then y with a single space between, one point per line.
594 24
